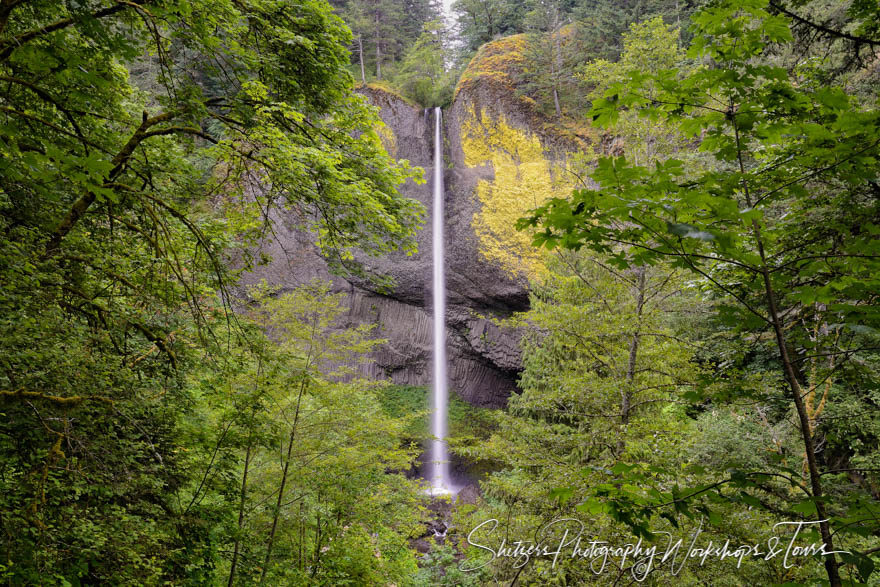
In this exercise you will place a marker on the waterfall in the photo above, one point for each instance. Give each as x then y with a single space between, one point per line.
439 453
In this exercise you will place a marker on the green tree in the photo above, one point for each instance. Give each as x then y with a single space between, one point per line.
783 230
423 74
299 449
123 127
547 66
604 368
385 30
481 21
649 47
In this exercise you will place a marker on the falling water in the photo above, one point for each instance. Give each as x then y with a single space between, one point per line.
439 453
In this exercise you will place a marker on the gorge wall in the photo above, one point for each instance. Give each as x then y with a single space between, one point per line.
502 159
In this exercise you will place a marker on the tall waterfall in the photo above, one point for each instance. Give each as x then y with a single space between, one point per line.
440 394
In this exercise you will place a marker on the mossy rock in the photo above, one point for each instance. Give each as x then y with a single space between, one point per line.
497 66
400 401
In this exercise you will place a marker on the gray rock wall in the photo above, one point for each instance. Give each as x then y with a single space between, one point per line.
484 358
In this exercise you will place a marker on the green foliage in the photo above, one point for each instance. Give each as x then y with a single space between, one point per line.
649 47
422 75
604 23
602 370
599 25
384 32
411 403
837 41
701 349
482 21
780 230
440 568
555 74
142 147
304 449
549 60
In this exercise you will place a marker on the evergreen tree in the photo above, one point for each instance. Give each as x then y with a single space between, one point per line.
384 30
604 368
480 21
604 22
550 53
423 75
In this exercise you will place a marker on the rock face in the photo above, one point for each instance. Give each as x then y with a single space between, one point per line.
484 358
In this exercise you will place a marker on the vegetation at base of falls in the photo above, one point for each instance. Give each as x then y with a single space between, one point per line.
413 404
440 568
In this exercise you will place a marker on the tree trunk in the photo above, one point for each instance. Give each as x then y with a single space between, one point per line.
378 61
283 481
241 502
317 554
378 49
244 478
361 54
626 395
301 536
557 74
806 430
490 25
831 566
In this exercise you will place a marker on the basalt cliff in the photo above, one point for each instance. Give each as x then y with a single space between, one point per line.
501 159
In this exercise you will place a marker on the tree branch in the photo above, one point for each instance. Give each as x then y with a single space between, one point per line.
822 28
7 47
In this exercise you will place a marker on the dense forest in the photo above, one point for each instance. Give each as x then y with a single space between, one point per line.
695 308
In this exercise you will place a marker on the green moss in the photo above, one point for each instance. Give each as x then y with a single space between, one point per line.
383 86
499 61
412 401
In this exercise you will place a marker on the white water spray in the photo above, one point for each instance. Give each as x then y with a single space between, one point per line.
440 394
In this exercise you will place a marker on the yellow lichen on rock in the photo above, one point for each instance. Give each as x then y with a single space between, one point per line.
524 179
389 141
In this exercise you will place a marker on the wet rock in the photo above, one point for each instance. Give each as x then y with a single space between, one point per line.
422 545
468 495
